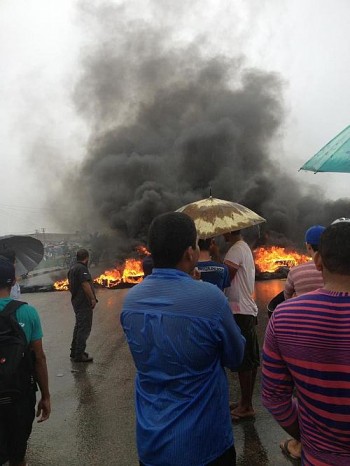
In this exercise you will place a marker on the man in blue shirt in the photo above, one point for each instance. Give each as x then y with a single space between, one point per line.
181 334
213 272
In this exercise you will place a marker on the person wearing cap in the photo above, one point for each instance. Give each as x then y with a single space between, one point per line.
306 349
305 277
302 279
17 415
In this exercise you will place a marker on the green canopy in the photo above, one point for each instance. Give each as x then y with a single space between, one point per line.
333 157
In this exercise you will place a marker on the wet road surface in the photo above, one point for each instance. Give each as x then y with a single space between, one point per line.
92 421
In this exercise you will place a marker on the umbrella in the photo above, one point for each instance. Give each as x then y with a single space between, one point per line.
29 251
333 157
213 217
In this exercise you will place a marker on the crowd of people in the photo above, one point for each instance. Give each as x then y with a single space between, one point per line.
189 323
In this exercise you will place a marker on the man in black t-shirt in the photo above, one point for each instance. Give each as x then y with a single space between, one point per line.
83 301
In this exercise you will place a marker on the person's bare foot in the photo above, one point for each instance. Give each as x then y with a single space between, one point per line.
240 413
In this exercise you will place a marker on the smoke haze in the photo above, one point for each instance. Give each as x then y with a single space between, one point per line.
168 121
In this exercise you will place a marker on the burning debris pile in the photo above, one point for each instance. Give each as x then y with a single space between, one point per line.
128 274
131 274
275 261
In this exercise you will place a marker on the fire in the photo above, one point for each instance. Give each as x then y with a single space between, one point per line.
110 278
131 272
61 285
271 258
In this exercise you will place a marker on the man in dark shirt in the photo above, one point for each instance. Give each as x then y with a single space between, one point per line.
83 301
211 271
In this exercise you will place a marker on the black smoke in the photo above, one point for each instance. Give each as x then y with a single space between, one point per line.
169 122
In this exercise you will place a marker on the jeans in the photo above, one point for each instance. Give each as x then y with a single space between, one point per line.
82 329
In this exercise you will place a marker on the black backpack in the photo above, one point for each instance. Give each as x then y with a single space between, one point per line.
16 364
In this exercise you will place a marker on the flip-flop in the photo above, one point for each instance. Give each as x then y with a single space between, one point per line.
287 453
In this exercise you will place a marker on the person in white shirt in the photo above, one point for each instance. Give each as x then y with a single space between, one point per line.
240 261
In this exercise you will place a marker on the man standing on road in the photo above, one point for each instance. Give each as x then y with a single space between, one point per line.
181 335
307 348
239 259
17 412
302 279
83 301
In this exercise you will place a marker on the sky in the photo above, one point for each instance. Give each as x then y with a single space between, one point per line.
42 48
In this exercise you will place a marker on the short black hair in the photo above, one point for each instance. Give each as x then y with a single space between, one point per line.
169 236
314 247
204 244
334 248
82 254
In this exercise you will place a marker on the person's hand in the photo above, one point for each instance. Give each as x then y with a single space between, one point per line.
196 275
43 409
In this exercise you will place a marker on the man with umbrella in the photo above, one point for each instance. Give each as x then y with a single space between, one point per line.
240 262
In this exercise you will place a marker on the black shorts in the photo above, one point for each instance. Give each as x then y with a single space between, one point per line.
251 358
16 420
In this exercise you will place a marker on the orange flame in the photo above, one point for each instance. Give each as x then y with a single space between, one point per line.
271 258
133 272
109 279
61 285
130 272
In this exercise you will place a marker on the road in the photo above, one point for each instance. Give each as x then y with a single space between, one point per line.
92 421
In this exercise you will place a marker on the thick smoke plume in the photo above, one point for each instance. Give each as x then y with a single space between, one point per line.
169 122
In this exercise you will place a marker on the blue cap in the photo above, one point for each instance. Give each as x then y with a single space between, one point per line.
313 234
7 272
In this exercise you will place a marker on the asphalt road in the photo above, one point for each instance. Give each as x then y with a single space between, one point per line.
92 421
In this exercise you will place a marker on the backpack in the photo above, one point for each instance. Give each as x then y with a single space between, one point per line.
16 365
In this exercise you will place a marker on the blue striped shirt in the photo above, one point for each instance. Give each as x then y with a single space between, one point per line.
181 334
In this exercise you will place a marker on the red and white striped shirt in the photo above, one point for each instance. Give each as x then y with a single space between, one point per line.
307 347
302 279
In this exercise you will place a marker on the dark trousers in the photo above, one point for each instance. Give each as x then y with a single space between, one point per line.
16 420
82 330
226 459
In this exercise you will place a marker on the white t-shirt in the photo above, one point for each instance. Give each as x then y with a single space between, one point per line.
240 293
